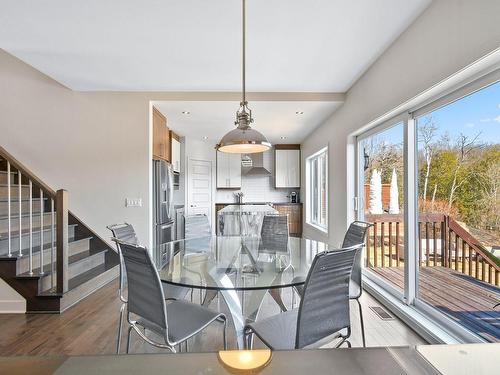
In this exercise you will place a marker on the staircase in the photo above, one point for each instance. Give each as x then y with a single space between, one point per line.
47 254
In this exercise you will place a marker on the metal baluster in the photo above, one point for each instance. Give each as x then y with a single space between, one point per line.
8 210
31 228
52 237
41 232
20 195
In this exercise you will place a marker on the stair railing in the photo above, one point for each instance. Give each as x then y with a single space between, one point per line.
53 202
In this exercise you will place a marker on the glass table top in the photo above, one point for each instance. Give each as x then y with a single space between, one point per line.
236 262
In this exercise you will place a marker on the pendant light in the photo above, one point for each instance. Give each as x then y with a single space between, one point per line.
243 139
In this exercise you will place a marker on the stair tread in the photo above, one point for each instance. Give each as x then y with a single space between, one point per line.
24 214
86 276
16 200
15 233
36 249
71 260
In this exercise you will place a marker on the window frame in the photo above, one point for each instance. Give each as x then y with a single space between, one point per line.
310 208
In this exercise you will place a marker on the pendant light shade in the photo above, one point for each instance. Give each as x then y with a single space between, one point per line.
243 139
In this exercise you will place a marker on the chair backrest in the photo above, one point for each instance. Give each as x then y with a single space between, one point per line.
196 226
145 292
274 233
324 306
355 235
123 232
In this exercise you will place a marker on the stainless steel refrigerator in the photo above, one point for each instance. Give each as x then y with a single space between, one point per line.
163 207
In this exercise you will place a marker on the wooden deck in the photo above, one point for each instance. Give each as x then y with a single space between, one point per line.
465 299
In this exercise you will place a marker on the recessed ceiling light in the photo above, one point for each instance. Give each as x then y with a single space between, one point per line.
205 138
299 112
283 137
186 112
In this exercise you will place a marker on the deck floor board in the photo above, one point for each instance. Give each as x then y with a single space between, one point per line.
468 301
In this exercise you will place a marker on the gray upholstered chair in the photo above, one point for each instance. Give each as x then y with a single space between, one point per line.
356 234
126 232
323 310
175 321
274 233
196 226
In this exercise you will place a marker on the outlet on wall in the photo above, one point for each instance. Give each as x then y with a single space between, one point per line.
133 202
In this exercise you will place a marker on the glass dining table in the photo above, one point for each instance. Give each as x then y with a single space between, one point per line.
241 269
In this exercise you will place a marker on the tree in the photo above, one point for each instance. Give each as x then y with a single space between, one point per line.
465 147
426 134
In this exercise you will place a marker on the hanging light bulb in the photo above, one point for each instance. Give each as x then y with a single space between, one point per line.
243 139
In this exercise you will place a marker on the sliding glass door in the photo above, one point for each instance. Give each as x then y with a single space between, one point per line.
381 197
429 181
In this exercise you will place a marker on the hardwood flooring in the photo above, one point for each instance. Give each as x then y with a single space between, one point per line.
90 327
468 301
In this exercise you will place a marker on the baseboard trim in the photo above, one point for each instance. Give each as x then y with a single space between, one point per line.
13 307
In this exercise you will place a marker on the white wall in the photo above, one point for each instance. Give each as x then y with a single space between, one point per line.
257 188
447 37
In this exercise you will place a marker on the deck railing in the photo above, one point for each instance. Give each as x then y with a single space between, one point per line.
442 242
23 207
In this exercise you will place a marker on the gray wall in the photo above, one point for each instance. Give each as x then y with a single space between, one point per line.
448 36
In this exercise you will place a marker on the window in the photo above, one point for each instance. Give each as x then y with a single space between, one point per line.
317 189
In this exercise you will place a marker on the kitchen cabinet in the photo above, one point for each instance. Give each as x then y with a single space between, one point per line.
294 213
228 171
161 137
175 152
287 166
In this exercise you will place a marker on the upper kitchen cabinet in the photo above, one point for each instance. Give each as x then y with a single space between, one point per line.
161 137
228 171
287 166
176 152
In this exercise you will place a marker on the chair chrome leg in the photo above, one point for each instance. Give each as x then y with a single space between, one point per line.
120 327
128 338
192 289
224 333
362 323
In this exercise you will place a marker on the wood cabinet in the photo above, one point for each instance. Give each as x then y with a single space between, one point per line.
294 213
175 150
161 137
228 171
287 166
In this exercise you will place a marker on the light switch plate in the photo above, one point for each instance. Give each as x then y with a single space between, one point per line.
133 202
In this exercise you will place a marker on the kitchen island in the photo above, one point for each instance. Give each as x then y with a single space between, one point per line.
244 219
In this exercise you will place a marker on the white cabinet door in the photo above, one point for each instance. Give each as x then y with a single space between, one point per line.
176 155
287 173
293 167
234 170
222 170
281 174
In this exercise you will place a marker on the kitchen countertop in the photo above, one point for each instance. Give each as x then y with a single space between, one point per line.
246 208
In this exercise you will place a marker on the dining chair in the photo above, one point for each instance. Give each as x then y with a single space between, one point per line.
126 232
323 309
175 321
196 226
274 233
356 234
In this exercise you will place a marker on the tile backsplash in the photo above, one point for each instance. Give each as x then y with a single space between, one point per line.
257 188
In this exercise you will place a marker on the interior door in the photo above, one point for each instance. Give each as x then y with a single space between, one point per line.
200 188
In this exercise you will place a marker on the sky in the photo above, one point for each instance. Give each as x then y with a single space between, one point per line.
477 113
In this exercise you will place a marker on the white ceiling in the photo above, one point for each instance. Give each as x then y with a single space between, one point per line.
194 45
275 119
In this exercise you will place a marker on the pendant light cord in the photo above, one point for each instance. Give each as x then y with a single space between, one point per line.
243 25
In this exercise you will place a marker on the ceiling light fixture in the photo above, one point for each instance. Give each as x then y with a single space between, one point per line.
283 137
205 138
186 112
299 112
243 139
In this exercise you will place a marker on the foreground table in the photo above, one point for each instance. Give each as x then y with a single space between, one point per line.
477 359
242 269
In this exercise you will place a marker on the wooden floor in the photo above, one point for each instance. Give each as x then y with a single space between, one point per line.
90 328
466 300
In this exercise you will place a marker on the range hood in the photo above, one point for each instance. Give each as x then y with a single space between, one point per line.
257 168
